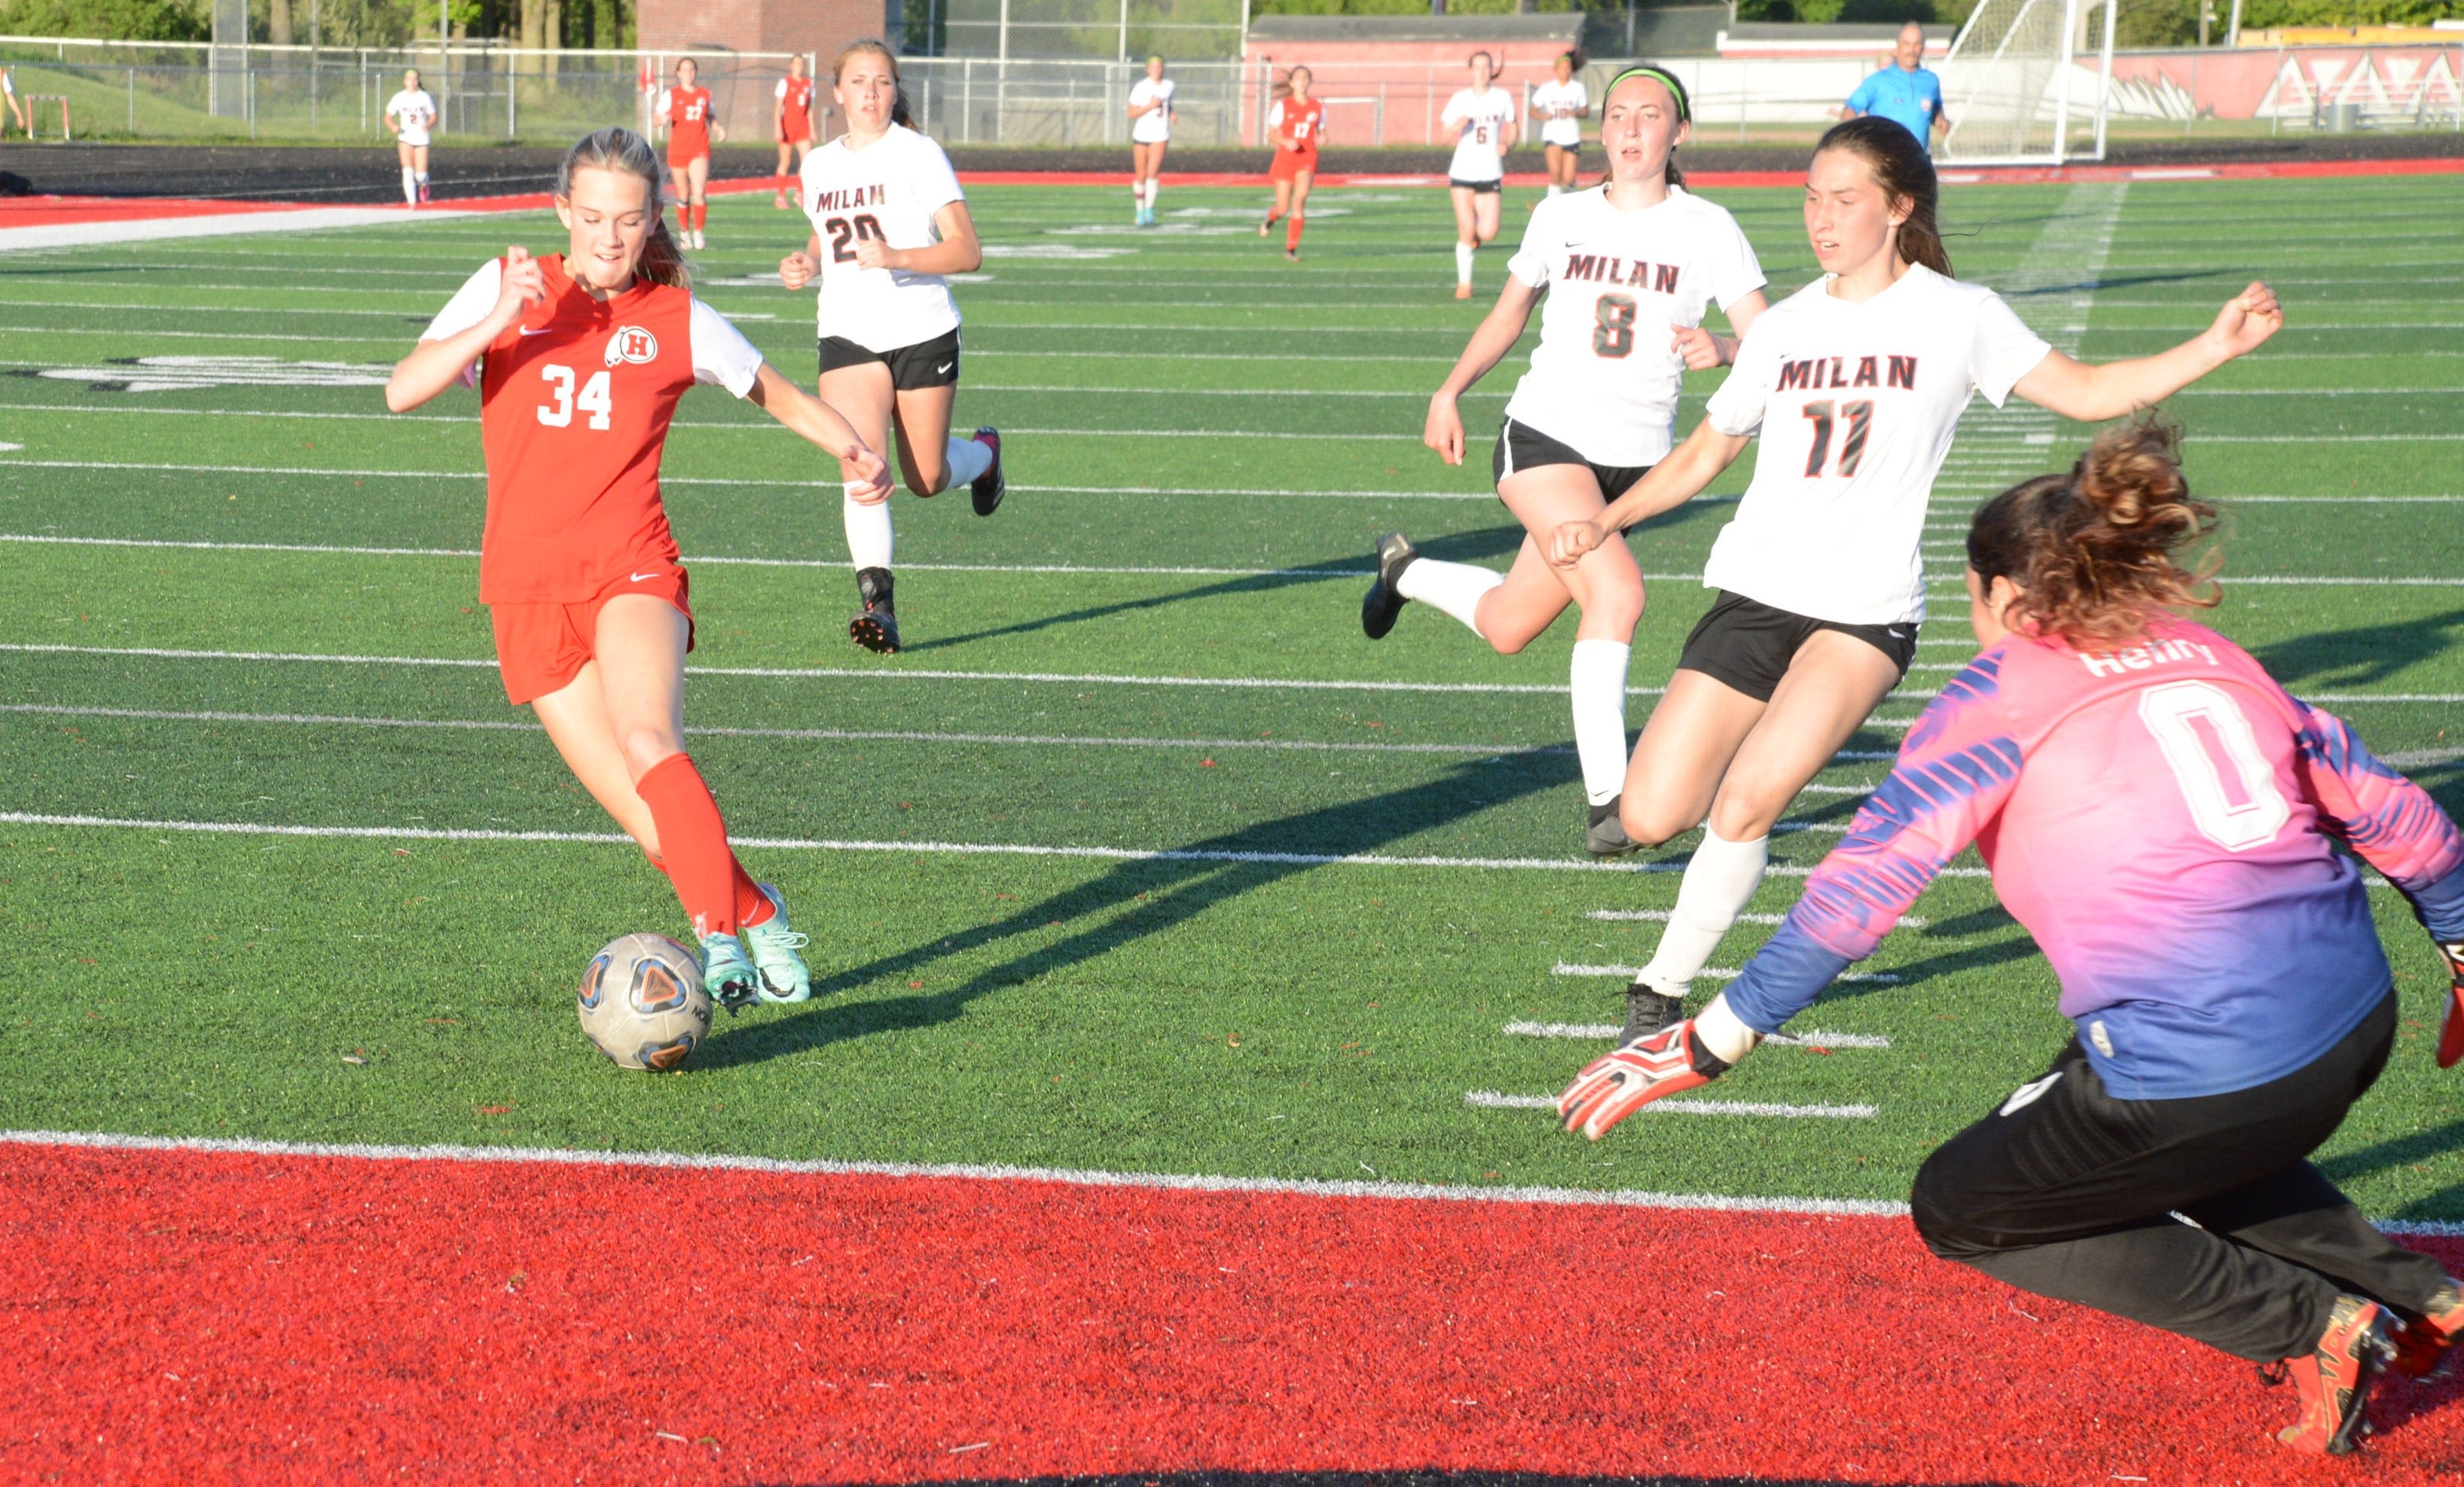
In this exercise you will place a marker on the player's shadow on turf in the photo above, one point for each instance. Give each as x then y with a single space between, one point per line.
2363 656
1136 900
2416 1150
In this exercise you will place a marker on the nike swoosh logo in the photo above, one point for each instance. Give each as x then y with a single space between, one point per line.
541 331
944 367
638 577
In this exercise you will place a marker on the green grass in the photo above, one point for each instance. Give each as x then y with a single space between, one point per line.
1187 1016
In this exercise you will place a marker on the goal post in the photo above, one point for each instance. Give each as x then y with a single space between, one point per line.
2016 82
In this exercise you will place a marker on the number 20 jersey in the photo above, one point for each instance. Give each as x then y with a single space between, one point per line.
1856 403
1604 379
890 189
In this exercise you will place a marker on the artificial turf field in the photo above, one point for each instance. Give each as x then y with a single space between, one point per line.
1138 860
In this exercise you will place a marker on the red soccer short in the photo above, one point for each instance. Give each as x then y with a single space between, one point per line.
678 161
1292 163
542 648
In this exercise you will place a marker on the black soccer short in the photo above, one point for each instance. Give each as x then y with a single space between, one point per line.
1520 447
927 363
1748 643
1484 188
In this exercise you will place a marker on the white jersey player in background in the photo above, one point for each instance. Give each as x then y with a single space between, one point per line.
889 222
1149 131
1856 384
16 109
411 113
1561 104
1481 118
1628 269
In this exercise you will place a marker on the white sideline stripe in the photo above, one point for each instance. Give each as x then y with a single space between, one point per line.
1090 569
938 848
1598 1029
2419 758
858 672
701 560
1661 917
817 734
1076 1177
314 219
1491 1100
1709 972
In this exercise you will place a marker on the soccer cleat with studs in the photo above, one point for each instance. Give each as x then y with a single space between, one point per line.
727 974
1647 1011
1604 831
2335 1378
774 946
1383 602
2422 1345
875 625
992 485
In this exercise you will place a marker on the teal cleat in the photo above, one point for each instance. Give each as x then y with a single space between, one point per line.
774 946
731 980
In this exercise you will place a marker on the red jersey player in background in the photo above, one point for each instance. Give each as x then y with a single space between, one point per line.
684 113
1298 121
794 124
582 358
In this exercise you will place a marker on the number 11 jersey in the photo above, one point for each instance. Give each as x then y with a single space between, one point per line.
1605 377
888 190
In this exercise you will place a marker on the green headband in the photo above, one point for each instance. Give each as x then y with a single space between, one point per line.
1666 79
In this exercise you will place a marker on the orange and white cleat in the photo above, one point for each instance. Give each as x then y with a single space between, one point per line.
2422 1345
2335 1379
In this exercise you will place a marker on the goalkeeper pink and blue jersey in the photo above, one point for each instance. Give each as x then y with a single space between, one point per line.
2162 818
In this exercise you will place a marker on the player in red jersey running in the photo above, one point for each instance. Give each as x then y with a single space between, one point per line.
1298 121
684 113
582 358
795 127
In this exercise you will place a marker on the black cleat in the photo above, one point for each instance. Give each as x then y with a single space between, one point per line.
875 626
991 486
1648 1012
1384 600
1604 834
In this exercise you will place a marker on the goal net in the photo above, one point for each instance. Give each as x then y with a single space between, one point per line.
2018 86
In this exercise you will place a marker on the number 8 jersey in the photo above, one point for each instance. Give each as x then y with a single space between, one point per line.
888 190
1856 403
1604 379
574 405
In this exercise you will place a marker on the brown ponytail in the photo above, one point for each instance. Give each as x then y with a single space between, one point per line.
1905 173
2092 552
621 150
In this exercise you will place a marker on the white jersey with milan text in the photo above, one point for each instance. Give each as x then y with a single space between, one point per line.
1479 121
1605 377
415 111
1559 107
889 190
1155 125
1855 404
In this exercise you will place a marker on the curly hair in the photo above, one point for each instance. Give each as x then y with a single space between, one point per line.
2092 552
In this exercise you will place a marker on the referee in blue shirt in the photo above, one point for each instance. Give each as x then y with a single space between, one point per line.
1906 92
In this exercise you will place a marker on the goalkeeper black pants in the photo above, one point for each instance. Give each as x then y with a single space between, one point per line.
2201 1216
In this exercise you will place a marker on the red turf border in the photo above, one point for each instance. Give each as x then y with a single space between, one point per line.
203 1317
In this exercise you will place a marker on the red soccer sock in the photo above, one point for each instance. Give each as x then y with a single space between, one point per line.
700 215
693 840
1292 234
753 907
1273 217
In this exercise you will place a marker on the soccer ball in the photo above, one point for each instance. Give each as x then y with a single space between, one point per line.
642 1003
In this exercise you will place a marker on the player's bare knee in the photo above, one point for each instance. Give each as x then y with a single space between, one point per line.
928 482
1746 815
1647 824
646 747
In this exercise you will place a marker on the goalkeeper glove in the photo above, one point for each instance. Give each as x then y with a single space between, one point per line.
2451 1033
1613 1086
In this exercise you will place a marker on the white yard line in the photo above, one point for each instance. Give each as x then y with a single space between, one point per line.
1711 973
1491 1100
1661 917
1594 1031
810 734
1169 1182
312 219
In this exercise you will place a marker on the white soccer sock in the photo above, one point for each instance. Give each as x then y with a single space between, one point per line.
1720 882
1462 262
1598 686
1555 189
1455 588
410 186
1154 188
867 533
423 178
967 459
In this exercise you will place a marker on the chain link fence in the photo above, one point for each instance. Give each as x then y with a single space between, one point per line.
197 90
